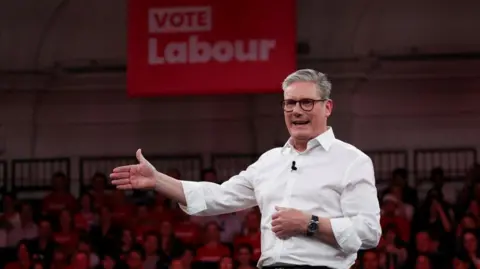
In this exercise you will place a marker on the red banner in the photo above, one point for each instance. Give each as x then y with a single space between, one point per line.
209 46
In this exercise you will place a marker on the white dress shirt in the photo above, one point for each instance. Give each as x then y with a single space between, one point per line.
333 180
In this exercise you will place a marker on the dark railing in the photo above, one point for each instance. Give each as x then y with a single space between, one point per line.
36 174
455 162
3 177
189 166
385 161
228 165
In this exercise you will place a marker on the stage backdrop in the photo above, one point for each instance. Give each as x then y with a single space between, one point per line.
209 46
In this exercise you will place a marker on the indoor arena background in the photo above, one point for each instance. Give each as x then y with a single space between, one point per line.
406 89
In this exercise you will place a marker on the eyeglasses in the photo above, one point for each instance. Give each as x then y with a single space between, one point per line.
305 104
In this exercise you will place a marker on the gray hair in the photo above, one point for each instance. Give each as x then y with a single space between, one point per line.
324 86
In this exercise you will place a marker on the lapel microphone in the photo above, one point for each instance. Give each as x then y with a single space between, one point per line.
294 168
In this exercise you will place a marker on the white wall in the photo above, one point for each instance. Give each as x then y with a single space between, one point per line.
373 115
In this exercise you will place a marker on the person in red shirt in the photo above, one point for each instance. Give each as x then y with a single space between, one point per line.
80 260
66 236
60 198
187 231
98 191
143 222
252 235
85 218
244 254
392 250
187 258
176 264
213 250
136 257
370 260
226 262
161 212
169 244
122 210
23 258
390 218
110 261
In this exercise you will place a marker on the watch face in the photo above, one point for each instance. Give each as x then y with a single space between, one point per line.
312 227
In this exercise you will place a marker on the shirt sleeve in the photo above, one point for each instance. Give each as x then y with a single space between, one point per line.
207 198
359 228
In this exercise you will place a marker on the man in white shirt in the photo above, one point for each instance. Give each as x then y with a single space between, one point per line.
317 194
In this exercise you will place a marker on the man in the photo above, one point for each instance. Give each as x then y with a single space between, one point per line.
316 194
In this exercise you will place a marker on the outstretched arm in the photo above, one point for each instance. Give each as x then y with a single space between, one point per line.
195 198
207 198
144 176
170 187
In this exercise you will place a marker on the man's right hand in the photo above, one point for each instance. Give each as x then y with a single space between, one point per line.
135 176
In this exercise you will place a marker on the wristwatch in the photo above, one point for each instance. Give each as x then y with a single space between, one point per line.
312 226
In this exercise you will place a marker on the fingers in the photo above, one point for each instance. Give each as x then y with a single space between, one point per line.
125 168
121 182
140 157
279 208
282 236
120 175
125 187
275 216
280 233
276 229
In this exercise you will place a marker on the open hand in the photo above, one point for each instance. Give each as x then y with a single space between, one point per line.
135 176
288 222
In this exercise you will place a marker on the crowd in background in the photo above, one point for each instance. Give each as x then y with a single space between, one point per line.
438 231
106 228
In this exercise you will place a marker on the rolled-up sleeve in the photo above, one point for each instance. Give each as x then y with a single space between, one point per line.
359 228
207 198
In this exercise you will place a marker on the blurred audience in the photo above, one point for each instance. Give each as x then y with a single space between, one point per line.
108 229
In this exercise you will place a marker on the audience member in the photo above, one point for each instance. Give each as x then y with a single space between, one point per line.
85 218
244 257
389 217
99 191
212 250
60 198
24 260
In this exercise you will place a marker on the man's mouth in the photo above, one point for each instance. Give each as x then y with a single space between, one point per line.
300 122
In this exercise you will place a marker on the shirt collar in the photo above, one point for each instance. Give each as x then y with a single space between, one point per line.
325 139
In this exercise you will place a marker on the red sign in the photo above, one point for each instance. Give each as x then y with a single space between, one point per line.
209 46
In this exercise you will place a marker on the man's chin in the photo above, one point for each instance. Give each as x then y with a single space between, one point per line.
300 135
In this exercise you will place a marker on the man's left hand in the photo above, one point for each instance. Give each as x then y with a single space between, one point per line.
288 222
